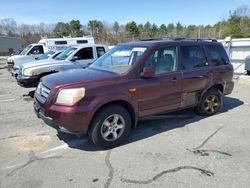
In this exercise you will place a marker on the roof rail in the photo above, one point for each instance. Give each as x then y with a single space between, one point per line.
197 39
152 39
180 38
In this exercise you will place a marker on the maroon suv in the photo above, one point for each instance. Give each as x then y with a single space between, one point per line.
135 80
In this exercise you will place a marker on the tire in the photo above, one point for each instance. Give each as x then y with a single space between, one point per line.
248 72
211 103
110 126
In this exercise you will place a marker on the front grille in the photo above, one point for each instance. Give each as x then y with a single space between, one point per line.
42 92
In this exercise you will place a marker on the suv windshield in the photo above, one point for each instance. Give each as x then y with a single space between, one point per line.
26 49
65 54
119 59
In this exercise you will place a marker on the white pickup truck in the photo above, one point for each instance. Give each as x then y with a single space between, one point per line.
72 58
32 51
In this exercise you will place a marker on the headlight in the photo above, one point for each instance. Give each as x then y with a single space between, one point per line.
27 72
10 61
69 97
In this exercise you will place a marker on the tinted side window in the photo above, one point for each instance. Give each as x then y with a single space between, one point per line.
60 42
100 51
85 53
192 57
217 55
81 41
163 60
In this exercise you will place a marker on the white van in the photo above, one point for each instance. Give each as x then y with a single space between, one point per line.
32 51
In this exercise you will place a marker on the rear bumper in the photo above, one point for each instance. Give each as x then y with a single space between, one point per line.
28 81
229 88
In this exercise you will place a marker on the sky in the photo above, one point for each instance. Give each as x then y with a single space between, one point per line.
187 12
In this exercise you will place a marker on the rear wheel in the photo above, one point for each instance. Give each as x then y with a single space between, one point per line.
110 126
248 72
211 103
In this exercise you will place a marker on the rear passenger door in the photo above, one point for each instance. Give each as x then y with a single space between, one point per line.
196 72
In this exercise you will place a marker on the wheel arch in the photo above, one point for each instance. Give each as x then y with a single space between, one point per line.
125 104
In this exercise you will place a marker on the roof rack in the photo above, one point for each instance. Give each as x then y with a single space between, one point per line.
180 38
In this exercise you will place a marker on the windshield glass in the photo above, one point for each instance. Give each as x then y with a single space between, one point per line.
46 55
119 59
26 49
65 54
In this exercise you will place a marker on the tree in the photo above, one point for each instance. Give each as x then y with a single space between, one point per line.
163 29
179 28
62 29
170 28
8 27
132 29
154 30
75 28
95 27
116 28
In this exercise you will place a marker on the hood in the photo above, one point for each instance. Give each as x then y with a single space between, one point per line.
21 58
43 62
76 76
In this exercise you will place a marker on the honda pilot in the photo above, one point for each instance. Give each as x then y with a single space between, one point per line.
132 81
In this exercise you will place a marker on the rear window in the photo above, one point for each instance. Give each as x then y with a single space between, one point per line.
60 42
218 55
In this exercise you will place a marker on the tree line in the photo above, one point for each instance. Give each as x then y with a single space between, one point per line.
237 25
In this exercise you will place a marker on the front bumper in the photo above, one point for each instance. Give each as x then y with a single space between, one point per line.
14 72
63 118
10 64
25 81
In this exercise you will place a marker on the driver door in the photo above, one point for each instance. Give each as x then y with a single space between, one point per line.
162 92
85 56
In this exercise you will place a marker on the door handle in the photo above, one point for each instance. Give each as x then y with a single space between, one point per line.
174 79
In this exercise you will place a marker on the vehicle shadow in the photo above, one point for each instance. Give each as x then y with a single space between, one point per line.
29 95
151 126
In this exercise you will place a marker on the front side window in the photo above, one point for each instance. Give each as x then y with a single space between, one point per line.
163 60
119 59
65 54
36 50
85 53
217 55
192 57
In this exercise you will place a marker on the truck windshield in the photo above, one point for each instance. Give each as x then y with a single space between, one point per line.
65 54
26 49
46 55
119 59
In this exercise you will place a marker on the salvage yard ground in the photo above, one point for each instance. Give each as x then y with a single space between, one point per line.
173 150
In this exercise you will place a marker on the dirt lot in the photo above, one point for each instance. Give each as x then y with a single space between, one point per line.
175 150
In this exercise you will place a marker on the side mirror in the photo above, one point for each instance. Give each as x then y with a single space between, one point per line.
74 58
148 72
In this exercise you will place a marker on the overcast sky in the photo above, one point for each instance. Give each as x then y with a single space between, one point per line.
155 11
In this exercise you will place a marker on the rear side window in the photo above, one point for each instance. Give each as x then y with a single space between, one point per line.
192 57
100 51
81 41
60 42
85 53
217 54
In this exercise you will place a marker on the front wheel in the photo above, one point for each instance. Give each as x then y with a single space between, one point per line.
211 103
110 126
